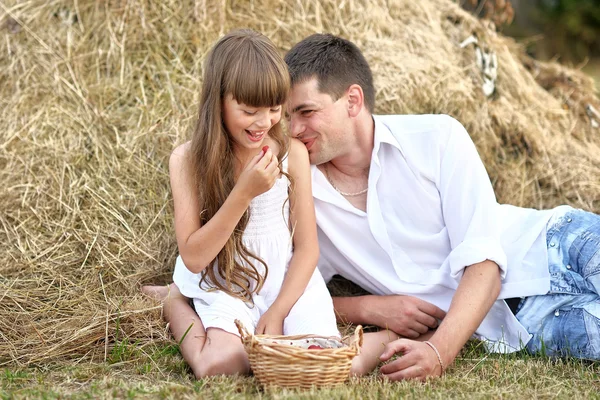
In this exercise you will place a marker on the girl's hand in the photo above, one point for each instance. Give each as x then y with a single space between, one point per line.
271 322
259 175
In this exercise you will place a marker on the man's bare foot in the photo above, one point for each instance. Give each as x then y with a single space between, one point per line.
156 292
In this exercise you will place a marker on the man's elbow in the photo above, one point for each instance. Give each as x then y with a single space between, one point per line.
488 271
497 286
496 274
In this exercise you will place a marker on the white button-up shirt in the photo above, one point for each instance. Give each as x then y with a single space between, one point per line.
431 212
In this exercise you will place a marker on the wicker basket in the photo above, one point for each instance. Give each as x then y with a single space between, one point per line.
280 361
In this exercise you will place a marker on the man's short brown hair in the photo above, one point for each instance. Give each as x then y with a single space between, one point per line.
336 63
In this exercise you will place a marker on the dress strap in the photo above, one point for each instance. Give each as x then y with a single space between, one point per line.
284 162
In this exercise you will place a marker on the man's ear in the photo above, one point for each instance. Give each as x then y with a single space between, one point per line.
356 100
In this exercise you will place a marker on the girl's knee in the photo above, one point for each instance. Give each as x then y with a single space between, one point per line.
226 363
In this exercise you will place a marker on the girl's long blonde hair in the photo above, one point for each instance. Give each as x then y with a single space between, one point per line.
245 64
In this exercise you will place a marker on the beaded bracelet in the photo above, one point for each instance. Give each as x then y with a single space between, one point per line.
437 353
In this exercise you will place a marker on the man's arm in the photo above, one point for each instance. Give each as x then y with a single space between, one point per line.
406 315
477 260
474 297
478 290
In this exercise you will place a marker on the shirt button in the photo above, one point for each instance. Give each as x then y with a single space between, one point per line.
552 245
569 220
568 267
556 313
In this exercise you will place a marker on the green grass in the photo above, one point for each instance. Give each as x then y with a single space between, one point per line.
159 372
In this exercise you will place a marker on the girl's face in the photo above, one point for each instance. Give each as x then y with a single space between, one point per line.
246 125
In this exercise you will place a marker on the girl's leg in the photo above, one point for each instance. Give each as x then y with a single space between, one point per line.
373 345
214 353
157 292
180 317
223 354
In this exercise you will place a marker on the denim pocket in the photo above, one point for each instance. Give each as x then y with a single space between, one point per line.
556 230
567 334
584 253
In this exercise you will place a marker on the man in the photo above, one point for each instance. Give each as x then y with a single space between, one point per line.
406 210
404 206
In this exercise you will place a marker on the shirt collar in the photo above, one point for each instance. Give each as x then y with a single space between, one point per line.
322 190
383 134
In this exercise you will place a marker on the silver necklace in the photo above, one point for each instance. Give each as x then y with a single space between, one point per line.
339 191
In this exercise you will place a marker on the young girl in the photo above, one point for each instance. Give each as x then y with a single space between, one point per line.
244 217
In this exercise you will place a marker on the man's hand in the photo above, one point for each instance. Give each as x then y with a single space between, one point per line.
406 315
417 361
476 293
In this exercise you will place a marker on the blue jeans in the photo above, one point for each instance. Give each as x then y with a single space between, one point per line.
566 321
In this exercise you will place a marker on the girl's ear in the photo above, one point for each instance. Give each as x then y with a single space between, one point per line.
356 100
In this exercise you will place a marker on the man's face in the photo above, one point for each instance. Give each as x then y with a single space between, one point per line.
318 121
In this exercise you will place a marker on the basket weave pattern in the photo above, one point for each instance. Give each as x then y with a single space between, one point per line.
285 365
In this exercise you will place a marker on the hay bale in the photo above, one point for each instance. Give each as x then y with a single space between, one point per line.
95 95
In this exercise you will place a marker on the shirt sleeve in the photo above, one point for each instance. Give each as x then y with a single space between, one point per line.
326 270
468 204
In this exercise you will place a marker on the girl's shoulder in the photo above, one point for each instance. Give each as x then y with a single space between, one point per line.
297 150
297 155
182 150
180 153
179 159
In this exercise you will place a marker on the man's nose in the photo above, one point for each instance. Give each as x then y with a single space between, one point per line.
296 128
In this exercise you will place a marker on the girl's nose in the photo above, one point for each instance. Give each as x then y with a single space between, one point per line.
264 121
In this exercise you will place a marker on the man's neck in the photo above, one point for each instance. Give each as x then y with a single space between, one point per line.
357 160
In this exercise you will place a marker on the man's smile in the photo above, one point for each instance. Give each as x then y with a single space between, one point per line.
309 142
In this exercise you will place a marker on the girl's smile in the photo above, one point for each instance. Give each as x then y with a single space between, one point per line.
256 136
246 125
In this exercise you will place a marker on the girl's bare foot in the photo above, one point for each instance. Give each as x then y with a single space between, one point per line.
156 292
373 345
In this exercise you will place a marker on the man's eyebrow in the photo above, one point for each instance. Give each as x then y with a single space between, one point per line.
300 107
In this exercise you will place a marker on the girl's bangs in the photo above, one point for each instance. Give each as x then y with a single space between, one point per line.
258 81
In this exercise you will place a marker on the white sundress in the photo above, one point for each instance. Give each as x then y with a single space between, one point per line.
267 236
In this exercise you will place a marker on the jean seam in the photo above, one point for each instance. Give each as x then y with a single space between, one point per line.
588 235
587 276
587 334
559 226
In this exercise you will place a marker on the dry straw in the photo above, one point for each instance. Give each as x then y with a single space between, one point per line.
94 95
